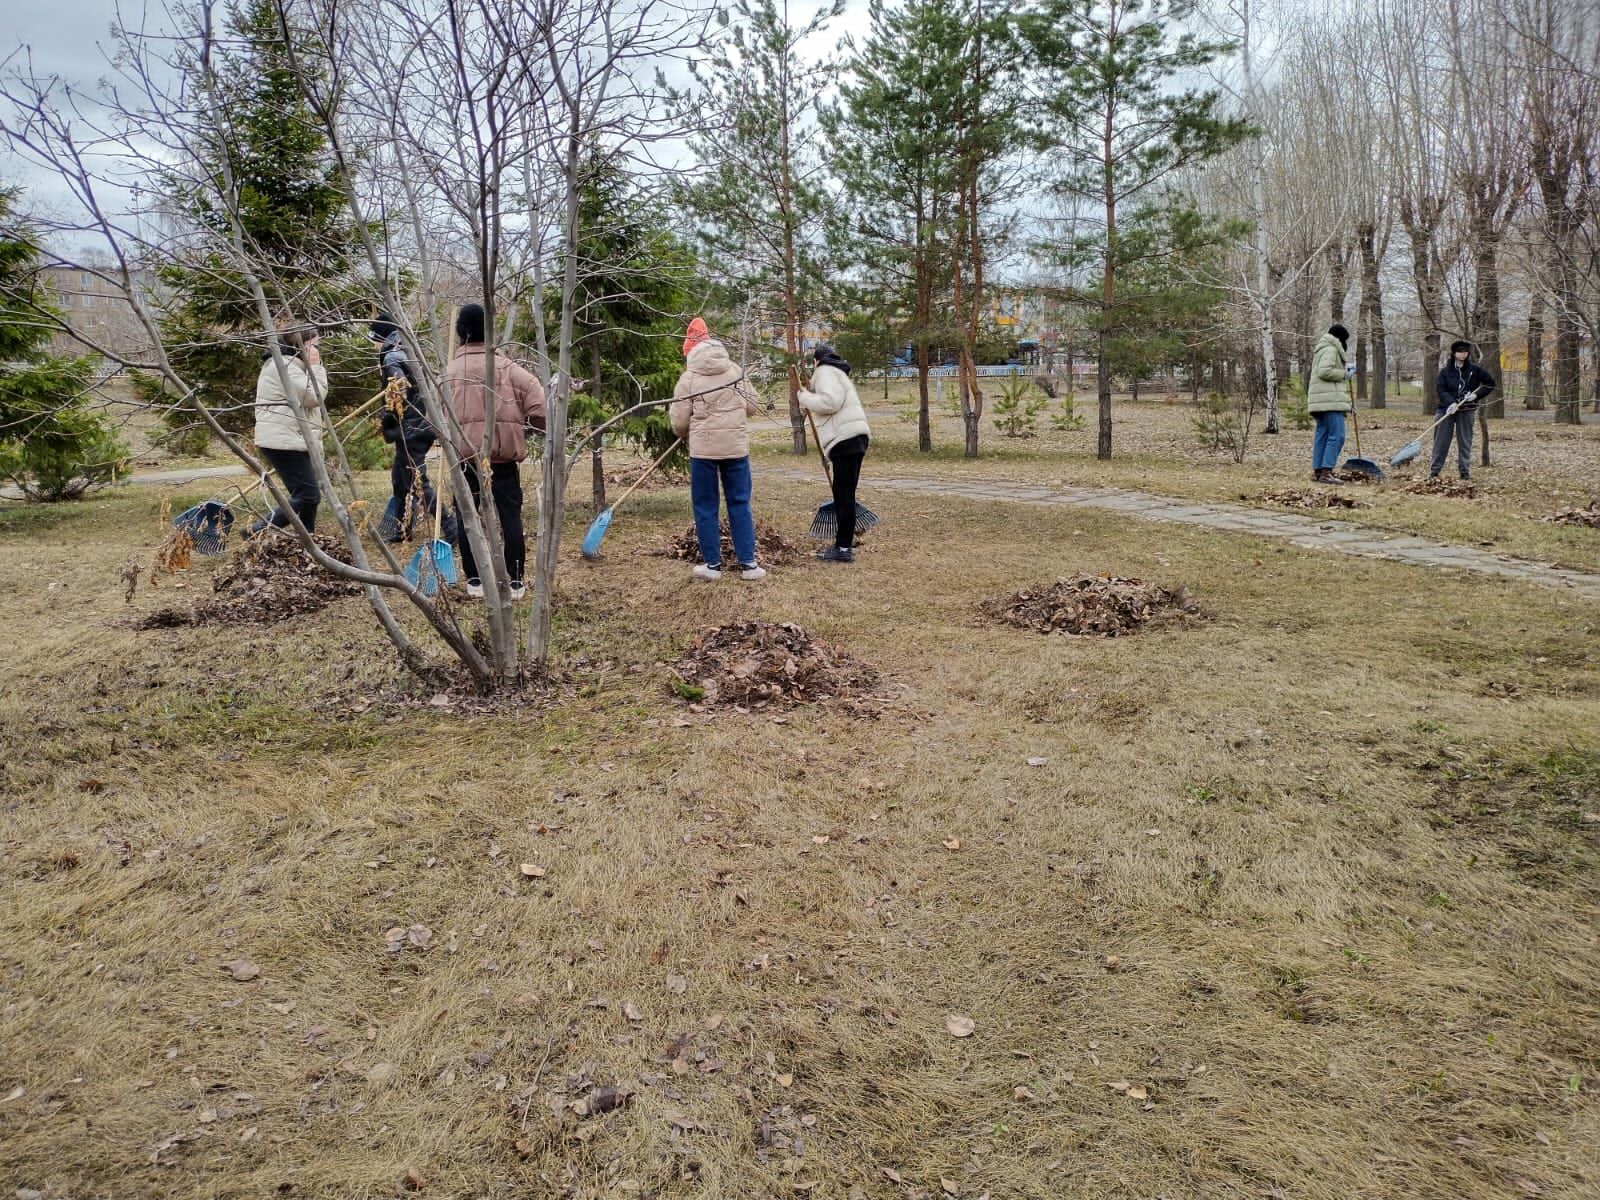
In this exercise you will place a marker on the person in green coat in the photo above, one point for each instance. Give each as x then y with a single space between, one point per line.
1328 399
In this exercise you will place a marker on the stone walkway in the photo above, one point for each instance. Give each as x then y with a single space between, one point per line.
1304 531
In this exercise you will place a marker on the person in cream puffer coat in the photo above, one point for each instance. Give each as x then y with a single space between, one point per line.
278 433
842 429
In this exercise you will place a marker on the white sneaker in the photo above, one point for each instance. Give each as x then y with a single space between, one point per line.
518 590
474 588
752 572
709 574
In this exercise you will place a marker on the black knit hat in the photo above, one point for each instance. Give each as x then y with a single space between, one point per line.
1340 332
1460 345
469 324
382 326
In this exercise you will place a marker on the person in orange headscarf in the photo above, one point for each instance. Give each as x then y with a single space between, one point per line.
711 411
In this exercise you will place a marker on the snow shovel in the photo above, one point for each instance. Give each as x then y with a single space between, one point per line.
1361 466
601 523
434 562
826 523
1413 448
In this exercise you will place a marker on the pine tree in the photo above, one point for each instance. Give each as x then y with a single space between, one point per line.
1123 125
53 444
763 202
295 225
894 154
632 296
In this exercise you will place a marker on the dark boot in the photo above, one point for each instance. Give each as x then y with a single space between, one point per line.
842 554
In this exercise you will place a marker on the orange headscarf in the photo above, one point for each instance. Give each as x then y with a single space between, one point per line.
697 333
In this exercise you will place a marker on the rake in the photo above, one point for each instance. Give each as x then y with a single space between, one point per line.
601 523
825 525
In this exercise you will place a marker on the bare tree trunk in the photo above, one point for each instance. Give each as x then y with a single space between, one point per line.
597 458
1534 399
1372 310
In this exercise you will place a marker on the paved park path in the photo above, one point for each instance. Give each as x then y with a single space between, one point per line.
1305 531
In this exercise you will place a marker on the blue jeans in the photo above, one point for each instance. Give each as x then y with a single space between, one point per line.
734 476
1329 440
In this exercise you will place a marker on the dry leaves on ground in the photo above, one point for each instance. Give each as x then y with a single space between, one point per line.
664 477
1578 516
772 548
271 579
1305 498
1091 606
758 663
1435 486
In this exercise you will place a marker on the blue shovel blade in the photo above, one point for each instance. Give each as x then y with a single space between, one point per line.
597 531
1406 453
431 565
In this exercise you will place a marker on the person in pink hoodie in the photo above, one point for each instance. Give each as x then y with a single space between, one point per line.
711 410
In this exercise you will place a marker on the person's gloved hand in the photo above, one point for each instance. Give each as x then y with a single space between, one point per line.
1349 370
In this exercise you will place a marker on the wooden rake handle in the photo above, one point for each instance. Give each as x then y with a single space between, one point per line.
675 444
811 421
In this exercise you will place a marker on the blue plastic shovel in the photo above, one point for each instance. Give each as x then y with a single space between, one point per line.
434 563
598 527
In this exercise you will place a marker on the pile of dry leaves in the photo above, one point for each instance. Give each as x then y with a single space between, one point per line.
757 663
271 579
1343 476
1578 516
1091 606
1302 498
772 548
1437 486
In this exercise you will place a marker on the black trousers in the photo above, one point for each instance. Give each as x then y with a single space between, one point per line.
1458 427
410 464
300 481
847 457
505 489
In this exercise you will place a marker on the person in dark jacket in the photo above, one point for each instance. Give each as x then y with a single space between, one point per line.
405 425
1463 383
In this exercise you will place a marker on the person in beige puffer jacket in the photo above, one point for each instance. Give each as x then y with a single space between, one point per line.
844 434
278 434
712 404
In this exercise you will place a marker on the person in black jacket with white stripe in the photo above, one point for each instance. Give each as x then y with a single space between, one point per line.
1465 384
406 426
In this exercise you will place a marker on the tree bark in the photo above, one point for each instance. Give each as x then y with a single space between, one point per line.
1372 306
1534 399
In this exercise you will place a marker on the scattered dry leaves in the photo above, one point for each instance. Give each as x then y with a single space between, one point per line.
1461 488
271 579
1589 517
1305 498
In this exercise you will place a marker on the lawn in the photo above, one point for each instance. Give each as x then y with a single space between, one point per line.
1294 898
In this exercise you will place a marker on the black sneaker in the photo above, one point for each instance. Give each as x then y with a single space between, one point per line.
837 554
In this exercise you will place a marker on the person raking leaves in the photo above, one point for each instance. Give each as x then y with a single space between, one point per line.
841 427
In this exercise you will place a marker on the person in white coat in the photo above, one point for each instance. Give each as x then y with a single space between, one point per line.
278 433
842 429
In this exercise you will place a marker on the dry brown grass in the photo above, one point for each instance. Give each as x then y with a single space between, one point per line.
1319 876
1539 468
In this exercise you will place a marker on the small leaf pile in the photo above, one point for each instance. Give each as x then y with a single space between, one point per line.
271 579
1090 606
771 546
1463 488
756 663
1298 498
1578 516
